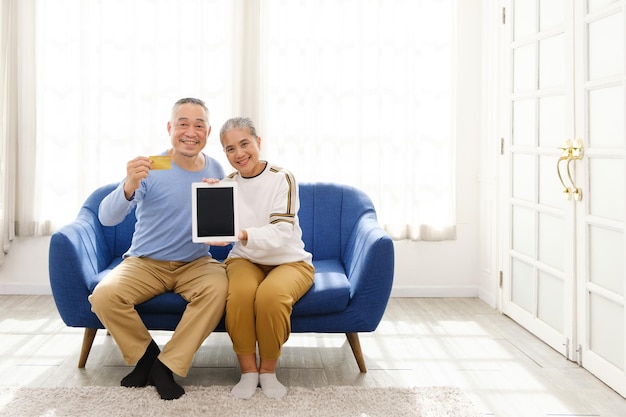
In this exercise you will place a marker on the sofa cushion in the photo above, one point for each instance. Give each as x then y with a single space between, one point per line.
93 280
330 292
166 303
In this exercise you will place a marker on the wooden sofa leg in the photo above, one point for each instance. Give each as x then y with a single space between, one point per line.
88 337
355 344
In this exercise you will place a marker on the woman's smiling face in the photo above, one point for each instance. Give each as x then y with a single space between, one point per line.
243 150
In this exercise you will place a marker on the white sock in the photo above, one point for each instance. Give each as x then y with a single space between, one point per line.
271 387
246 387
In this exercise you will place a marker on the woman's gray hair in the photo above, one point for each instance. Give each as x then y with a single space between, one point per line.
238 123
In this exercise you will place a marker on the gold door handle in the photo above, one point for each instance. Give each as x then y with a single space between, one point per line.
571 152
576 191
577 149
566 189
577 155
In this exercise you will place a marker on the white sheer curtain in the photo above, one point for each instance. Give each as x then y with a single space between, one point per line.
352 91
360 92
108 74
8 116
17 114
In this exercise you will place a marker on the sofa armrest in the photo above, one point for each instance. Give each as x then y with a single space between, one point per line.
77 253
369 264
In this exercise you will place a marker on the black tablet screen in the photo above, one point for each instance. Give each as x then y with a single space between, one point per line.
215 211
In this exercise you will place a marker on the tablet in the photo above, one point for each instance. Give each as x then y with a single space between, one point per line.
214 212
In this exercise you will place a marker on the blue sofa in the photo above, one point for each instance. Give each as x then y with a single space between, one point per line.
353 258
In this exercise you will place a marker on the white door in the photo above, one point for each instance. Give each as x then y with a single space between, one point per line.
565 199
538 285
600 119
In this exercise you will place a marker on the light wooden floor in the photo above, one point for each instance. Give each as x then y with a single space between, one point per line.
420 342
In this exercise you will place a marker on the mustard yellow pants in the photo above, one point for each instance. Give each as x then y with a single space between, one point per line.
259 304
202 283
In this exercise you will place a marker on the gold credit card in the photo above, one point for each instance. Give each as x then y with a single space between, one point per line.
161 162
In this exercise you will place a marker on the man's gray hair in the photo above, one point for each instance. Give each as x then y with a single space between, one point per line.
191 100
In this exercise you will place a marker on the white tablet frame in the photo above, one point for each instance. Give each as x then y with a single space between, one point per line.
232 211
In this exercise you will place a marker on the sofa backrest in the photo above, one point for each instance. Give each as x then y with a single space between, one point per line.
117 238
328 214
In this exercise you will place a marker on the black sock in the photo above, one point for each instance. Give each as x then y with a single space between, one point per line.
139 376
163 379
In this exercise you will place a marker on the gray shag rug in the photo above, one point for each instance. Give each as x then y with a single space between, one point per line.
335 401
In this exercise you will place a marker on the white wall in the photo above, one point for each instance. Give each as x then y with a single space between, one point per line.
451 268
423 269
490 155
25 268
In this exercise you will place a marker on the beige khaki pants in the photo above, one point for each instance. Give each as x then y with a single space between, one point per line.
259 304
202 283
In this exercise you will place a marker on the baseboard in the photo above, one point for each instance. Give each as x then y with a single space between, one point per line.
7 288
434 291
489 298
